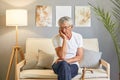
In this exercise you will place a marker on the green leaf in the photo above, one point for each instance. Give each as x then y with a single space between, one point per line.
110 24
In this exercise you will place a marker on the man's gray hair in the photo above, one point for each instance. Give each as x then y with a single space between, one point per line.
65 19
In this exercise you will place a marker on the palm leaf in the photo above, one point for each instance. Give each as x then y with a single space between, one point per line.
116 9
116 13
116 3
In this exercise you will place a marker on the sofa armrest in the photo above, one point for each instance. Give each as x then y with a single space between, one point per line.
21 64
103 63
18 68
106 65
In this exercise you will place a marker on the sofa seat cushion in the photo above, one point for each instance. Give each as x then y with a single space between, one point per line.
34 73
97 79
97 73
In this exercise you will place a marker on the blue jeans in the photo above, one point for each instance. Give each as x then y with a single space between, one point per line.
64 70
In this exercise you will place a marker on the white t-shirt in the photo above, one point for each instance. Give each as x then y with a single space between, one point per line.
73 44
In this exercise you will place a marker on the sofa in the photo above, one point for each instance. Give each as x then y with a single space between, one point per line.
86 72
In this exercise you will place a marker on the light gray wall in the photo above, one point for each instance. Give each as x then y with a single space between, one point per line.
97 30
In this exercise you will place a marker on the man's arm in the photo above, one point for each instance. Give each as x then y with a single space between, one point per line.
78 56
61 51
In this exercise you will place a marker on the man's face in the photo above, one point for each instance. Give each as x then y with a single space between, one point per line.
66 28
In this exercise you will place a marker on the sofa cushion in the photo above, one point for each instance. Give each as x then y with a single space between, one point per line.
45 60
47 73
34 73
31 60
90 59
38 60
44 44
97 79
97 73
44 74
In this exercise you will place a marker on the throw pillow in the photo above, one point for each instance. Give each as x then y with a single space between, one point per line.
45 60
31 60
90 59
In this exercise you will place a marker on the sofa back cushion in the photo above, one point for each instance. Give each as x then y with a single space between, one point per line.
45 44
91 44
33 45
33 56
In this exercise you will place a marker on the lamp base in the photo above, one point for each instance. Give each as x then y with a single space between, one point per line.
15 51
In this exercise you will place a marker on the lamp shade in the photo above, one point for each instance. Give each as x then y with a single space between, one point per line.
16 17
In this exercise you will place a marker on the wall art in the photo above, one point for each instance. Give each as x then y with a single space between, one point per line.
82 16
62 11
43 16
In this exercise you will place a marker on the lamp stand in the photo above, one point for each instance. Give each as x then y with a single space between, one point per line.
16 49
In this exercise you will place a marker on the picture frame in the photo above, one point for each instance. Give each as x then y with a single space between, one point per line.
82 16
63 11
43 16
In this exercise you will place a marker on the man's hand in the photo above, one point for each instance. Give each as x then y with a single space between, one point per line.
58 60
62 34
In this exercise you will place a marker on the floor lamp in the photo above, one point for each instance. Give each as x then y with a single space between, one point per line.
15 17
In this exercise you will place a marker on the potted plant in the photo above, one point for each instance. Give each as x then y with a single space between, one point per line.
113 27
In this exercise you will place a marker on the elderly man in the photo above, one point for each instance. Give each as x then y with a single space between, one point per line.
68 46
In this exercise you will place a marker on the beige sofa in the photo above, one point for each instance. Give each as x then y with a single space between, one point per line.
33 44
